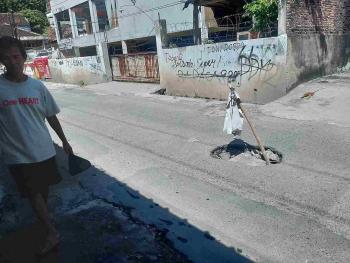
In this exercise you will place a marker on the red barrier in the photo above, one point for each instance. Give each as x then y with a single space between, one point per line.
38 68
41 68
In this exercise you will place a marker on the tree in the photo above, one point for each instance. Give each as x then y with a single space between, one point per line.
37 20
262 12
18 5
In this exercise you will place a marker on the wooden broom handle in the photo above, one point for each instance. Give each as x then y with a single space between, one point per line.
262 148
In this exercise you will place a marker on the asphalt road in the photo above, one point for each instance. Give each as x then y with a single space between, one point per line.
153 155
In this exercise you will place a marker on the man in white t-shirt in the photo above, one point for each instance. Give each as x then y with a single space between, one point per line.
25 141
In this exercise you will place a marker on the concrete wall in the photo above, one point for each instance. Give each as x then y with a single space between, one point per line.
257 67
318 37
80 70
314 55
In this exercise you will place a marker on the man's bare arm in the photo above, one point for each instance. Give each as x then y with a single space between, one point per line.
56 126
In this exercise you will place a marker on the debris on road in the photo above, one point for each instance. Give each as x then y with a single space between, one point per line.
308 95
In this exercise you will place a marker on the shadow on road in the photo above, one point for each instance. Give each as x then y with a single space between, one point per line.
103 220
20 246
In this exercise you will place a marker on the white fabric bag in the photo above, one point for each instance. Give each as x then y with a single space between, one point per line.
233 120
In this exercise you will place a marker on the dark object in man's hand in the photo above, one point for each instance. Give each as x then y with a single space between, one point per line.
77 164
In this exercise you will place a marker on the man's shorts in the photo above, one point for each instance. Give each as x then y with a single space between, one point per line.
32 178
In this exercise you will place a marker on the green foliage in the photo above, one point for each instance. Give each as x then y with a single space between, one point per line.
37 20
33 10
262 13
19 5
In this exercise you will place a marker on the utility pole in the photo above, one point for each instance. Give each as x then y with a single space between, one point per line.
196 29
13 23
10 18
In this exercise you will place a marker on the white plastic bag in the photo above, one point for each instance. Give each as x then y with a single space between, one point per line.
233 120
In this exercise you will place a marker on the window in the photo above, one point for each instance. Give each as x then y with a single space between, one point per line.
83 19
63 24
112 13
102 17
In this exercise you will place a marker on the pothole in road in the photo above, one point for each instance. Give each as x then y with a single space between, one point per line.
240 151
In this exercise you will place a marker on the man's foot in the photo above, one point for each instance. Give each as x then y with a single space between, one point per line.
52 241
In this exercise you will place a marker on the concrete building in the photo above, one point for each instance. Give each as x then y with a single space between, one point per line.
116 28
124 24
127 27
129 24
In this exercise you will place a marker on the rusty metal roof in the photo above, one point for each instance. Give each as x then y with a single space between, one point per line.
6 30
6 18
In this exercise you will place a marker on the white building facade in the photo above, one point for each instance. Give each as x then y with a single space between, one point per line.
125 25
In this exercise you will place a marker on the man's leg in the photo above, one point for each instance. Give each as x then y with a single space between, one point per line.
45 194
40 208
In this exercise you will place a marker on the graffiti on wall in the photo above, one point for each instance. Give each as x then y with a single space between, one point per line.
78 70
235 61
91 64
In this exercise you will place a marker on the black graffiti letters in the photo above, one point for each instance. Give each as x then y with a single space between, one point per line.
218 48
207 63
178 61
245 65
207 74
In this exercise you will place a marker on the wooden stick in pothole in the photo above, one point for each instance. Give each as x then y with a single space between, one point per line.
262 148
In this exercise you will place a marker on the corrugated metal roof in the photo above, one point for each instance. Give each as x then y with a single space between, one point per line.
6 18
6 30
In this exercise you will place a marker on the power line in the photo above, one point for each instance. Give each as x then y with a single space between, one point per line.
131 14
181 26
181 2
147 10
152 9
